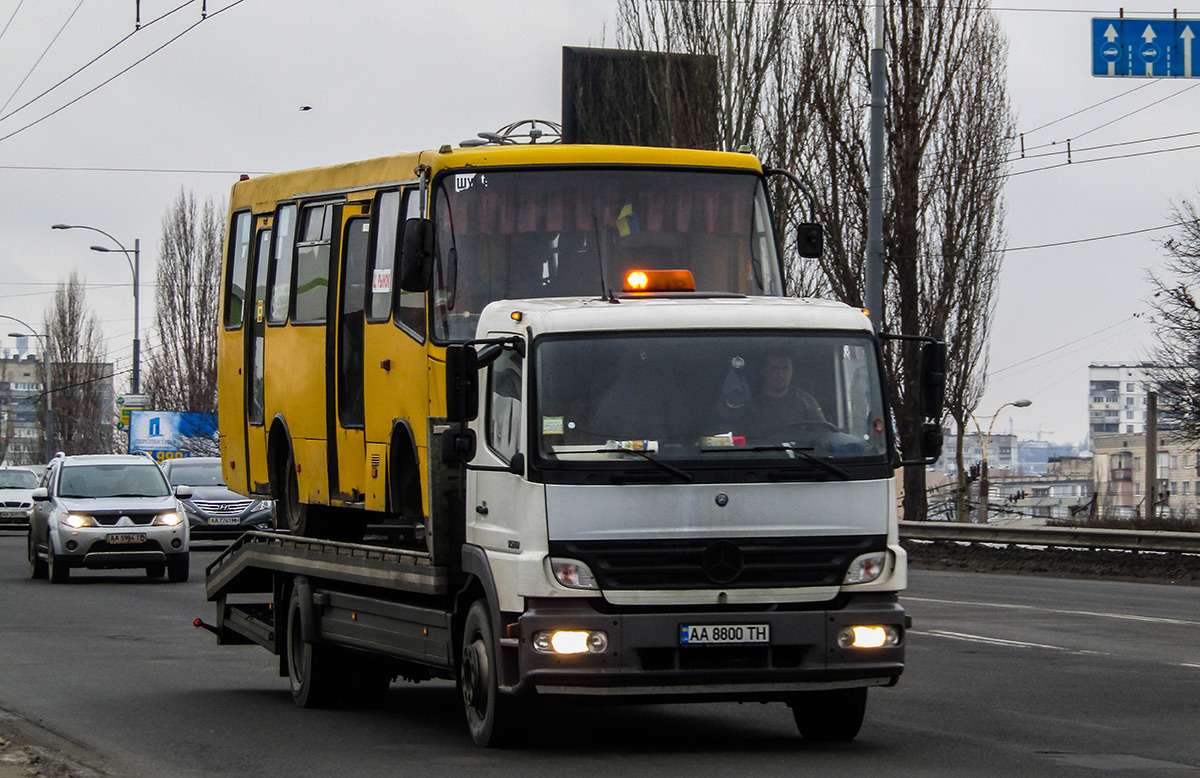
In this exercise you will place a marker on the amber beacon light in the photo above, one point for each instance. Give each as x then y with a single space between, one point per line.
659 281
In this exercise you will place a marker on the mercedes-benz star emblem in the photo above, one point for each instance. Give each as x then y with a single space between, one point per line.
723 562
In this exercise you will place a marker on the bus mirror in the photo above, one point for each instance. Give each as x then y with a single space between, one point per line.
462 383
810 241
416 255
933 380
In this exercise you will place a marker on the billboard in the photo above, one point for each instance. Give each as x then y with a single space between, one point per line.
168 435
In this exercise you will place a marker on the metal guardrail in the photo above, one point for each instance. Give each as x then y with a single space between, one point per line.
1070 537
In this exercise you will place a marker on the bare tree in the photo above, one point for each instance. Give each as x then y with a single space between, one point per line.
181 373
1176 368
797 79
81 375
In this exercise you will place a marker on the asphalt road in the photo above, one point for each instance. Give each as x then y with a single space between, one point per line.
1006 676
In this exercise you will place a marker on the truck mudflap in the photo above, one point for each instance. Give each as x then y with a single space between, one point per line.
765 655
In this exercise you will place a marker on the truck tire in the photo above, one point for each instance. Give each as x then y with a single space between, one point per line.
37 565
492 718
312 670
830 716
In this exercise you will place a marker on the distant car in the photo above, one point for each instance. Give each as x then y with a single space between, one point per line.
214 511
16 495
107 511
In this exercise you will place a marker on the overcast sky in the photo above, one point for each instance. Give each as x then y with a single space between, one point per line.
222 96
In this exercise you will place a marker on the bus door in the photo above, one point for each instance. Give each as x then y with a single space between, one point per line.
256 325
347 477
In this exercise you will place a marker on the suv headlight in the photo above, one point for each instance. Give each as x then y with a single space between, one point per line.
173 519
77 520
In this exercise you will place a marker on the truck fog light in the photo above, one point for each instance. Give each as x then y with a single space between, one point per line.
570 642
573 574
865 568
868 637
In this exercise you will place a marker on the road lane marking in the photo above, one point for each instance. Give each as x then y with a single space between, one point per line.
1011 606
1003 642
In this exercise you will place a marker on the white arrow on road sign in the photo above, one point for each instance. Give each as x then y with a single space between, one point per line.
1111 36
1149 51
1186 36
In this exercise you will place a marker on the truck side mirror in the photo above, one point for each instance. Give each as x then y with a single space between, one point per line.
810 240
416 256
933 381
931 441
462 383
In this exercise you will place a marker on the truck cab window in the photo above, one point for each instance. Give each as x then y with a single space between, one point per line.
504 405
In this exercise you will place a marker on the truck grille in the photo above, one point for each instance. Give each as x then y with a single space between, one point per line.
709 563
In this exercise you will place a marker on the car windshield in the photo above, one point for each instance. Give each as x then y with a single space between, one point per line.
711 399
183 473
515 234
113 480
17 479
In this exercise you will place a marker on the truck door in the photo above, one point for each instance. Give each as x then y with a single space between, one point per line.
347 364
499 502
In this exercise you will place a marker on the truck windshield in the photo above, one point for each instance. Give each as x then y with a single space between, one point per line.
712 399
517 234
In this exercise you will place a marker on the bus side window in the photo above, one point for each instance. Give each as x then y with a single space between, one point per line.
280 277
383 261
410 307
235 278
312 264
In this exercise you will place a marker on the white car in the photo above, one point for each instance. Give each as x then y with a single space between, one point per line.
16 495
106 511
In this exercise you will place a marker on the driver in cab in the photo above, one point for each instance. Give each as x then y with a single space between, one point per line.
778 407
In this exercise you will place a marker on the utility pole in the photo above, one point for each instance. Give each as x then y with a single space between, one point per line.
873 275
1151 453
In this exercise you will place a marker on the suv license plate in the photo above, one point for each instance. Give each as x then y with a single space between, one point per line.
724 634
119 538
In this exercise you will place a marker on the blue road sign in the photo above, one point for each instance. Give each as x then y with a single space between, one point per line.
1144 48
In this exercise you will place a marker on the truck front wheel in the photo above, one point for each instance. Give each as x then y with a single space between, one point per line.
311 666
492 718
829 716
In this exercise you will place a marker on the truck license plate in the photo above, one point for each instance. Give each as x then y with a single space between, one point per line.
723 634
119 538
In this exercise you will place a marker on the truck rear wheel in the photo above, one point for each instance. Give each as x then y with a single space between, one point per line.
830 716
493 718
312 670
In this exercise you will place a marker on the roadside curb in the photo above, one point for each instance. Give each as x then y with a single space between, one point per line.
30 750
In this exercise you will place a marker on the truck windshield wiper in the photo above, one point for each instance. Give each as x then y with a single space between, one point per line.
683 474
824 464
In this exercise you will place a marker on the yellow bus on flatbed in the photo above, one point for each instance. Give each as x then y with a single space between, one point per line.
343 285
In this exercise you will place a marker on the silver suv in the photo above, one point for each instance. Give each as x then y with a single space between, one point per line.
107 511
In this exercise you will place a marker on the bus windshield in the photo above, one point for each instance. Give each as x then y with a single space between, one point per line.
710 399
519 234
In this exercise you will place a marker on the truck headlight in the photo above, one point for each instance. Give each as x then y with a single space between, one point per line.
573 574
866 568
570 641
868 637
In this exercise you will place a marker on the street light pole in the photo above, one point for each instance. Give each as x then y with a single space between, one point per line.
986 443
47 386
135 266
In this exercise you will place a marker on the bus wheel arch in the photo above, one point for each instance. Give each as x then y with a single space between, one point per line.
404 474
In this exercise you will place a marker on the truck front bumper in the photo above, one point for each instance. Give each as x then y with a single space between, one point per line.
646 654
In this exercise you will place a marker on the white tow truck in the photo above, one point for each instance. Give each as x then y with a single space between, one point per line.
653 496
